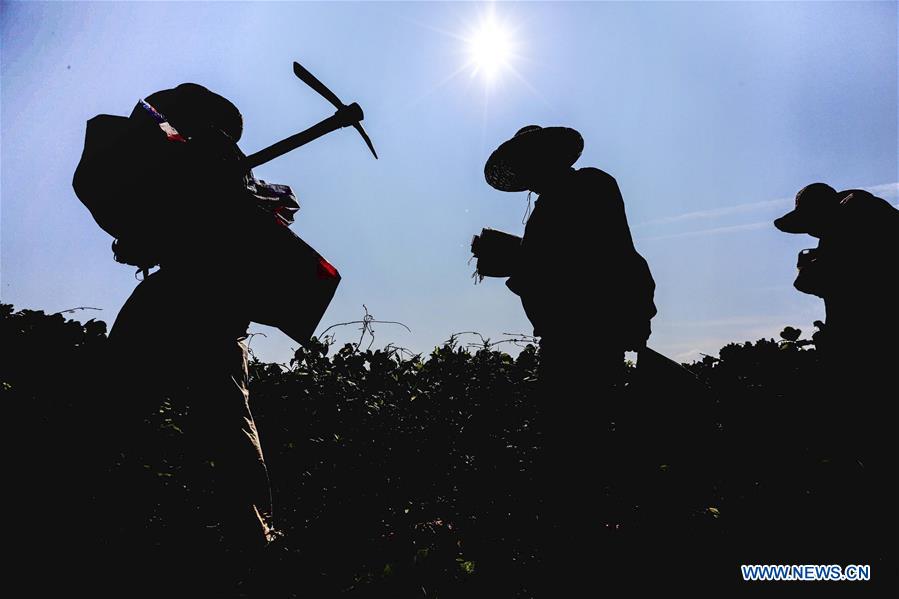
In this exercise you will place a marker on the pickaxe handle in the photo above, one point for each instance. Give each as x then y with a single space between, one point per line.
344 117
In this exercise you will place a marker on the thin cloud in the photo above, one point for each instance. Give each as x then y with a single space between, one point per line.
715 231
718 212
888 191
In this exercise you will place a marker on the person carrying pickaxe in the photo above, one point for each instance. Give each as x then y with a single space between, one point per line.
171 185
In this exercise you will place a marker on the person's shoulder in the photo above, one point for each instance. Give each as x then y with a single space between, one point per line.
593 174
595 181
861 203
864 221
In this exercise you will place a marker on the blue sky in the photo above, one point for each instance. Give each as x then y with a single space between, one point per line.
710 115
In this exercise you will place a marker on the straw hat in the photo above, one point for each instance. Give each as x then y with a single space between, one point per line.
533 150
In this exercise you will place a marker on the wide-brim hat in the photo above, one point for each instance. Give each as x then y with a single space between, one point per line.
534 151
810 201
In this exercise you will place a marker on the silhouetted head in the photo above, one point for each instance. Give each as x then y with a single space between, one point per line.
533 158
815 206
190 108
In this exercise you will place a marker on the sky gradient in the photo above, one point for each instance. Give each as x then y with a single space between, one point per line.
710 116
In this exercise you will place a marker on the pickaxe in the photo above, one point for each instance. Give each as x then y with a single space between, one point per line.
344 117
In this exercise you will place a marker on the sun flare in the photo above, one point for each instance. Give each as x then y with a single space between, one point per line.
490 49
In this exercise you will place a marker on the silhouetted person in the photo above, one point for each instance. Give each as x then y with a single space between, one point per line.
589 295
854 269
178 342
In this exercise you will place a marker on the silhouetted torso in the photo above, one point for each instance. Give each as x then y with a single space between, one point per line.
579 275
857 261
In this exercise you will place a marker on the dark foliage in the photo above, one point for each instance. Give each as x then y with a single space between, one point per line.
410 477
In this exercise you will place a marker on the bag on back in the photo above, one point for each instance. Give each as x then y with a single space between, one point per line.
138 181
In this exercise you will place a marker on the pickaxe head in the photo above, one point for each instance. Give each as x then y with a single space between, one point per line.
351 115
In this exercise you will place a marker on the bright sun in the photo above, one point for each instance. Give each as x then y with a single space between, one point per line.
490 48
